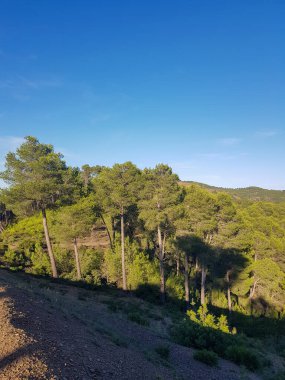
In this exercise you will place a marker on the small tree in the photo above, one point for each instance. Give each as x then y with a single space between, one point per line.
160 197
117 190
200 222
38 179
73 222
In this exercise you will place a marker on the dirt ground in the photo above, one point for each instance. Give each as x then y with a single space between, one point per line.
61 332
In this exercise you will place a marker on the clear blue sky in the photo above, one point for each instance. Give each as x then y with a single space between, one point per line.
199 85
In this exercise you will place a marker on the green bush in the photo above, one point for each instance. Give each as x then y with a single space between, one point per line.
91 265
141 270
148 292
163 352
137 318
228 346
203 318
243 356
175 287
14 259
207 357
278 376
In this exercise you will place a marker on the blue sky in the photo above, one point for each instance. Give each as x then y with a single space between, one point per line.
199 85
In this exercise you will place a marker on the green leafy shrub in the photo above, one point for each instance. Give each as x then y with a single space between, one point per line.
141 270
14 259
243 356
278 376
175 287
91 265
148 292
137 318
203 318
163 352
207 357
232 347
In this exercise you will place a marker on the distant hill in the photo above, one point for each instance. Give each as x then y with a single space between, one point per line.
251 193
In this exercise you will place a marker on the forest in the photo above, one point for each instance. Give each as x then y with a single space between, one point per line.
217 258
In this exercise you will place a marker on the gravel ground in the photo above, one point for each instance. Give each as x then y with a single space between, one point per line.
58 332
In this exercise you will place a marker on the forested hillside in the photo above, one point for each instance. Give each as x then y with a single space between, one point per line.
205 253
251 193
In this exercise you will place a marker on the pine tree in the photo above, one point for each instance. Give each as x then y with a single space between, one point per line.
38 179
117 191
160 197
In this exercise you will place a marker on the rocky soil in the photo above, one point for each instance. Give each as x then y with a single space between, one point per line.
51 331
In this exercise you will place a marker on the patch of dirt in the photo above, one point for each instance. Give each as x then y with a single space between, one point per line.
53 332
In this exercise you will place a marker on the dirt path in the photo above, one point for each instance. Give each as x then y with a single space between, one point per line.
56 333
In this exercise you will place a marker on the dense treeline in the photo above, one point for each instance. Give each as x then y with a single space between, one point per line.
141 230
245 194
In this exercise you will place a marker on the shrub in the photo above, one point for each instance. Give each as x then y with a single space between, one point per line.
228 346
175 287
207 357
278 376
14 259
141 270
243 356
148 292
203 318
163 352
135 317
91 265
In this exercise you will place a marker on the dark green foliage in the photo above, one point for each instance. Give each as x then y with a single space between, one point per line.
163 352
139 230
228 346
137 318
148 292
251 193
207 357
277 376
243 356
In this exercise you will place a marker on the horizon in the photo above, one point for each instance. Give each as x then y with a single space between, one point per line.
200 87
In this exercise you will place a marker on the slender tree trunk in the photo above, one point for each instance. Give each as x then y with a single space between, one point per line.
77 261
203 283
49 247
186 280
113 229
123 251
178 265
252 290
229 292
161 265
108 232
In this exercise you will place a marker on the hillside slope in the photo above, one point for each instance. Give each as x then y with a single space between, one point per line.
52 331
251 193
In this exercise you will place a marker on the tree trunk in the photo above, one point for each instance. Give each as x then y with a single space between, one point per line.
77 261
203 283
108 232
49 247
113 229
161 265
252 290
178 265
123 251
186 280
229 292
